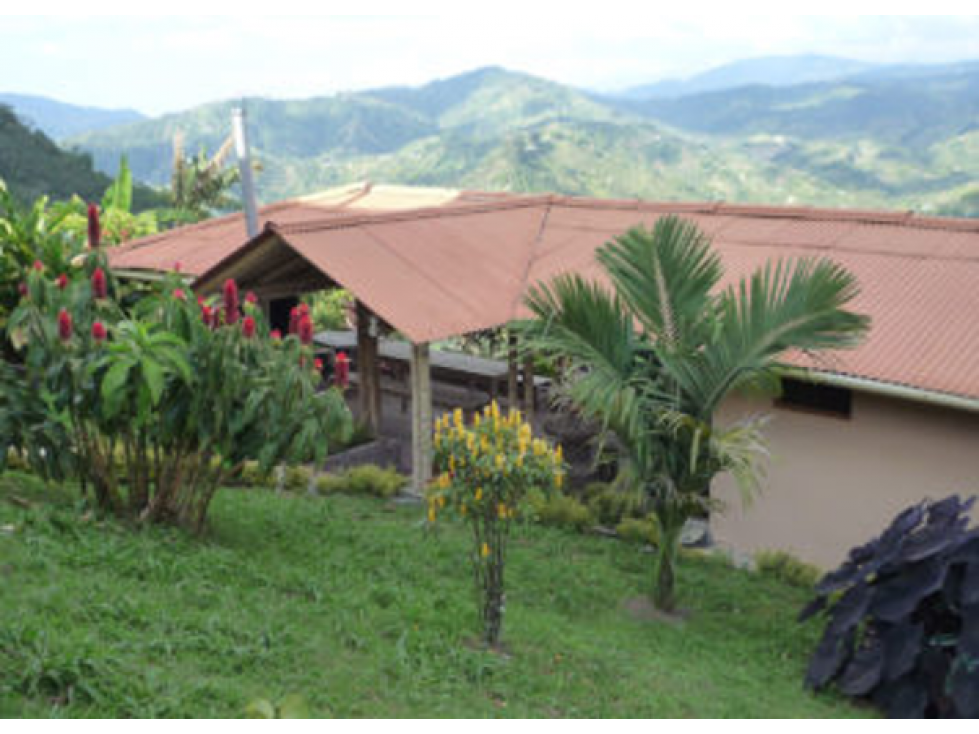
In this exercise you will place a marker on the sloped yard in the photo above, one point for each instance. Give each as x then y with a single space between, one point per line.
352 605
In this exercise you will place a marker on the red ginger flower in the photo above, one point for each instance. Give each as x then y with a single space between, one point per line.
294 320
38 265
22 289
305 330
248 327
100 288
99 333
342 369
94 228
64 325
251 298
318 364
276 335
179 294
230 302
207 315
62 281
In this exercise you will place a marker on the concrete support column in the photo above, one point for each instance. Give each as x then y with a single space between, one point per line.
369 369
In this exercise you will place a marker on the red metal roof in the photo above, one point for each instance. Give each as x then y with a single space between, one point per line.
441 271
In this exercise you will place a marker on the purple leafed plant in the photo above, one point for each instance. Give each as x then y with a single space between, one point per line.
903 616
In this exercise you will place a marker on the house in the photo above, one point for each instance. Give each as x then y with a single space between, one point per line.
855 437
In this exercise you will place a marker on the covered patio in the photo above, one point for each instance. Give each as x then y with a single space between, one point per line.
412 274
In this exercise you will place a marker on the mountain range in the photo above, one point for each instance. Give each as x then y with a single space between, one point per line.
772 71
812 130
60 120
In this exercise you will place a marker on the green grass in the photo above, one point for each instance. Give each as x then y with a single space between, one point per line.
351 604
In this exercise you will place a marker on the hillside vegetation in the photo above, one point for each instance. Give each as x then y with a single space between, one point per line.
32 165
894 138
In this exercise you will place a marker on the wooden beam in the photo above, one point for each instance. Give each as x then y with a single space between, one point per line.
528 387
368 368
512 370
421 418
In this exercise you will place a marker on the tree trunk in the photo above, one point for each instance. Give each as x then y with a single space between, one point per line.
493 604
664 570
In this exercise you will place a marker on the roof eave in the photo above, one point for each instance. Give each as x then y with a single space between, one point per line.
889 389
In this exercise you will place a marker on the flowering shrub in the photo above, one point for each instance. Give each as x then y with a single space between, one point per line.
186 392
486 474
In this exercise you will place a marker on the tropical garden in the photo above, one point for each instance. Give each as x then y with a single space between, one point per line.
169 548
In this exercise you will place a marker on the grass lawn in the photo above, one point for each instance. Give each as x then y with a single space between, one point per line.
352 605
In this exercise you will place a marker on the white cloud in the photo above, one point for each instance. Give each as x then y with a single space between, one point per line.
167 63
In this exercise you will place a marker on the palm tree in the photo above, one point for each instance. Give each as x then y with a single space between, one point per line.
201 185
653 357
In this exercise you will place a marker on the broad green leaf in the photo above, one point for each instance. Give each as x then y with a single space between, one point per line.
155 379
113 387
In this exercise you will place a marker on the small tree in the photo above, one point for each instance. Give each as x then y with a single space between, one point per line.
653 357
486 472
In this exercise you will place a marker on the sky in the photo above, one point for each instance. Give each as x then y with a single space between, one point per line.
158 64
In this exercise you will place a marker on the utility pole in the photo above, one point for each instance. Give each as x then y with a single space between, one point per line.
239 131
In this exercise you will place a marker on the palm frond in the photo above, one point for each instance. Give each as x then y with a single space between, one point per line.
217 160
742 451
784 306
593 333
666 277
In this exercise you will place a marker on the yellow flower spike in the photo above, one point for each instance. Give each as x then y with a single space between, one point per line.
431 512
495 409
457 417
485 550
559 453
559 480
519 461
462 509
452 464
479 494
500 460
501 511
441 500
477 419
512 512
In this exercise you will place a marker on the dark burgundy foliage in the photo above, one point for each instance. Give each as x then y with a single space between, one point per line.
903 616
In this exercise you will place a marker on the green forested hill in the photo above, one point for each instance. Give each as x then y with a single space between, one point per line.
32 165
897 140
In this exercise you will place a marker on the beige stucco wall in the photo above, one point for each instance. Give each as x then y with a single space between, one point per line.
834 483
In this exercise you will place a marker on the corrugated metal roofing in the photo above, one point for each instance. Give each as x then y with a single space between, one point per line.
199 247
465 265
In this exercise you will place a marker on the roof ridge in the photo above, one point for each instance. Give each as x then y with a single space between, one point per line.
777 211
